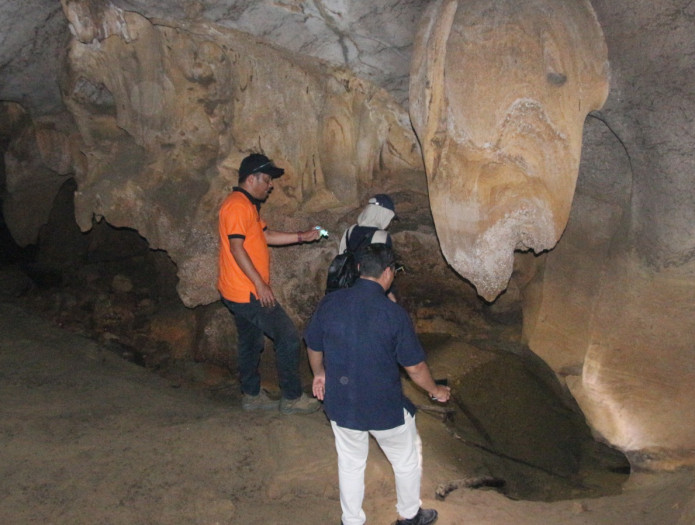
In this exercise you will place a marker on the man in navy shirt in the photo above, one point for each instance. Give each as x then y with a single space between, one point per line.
356 341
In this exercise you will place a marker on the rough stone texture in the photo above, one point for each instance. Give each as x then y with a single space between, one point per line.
562 292
636 390
165 129
612 309
37 163
373 39
32 44
163 111
652 110
499 95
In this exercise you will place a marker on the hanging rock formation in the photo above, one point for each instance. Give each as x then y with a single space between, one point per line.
499 94
168 110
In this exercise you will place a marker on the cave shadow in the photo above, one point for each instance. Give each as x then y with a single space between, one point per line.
528 437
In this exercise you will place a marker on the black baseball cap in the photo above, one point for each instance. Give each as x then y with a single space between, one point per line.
258 163
383 200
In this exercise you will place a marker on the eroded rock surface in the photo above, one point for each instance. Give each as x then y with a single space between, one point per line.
164 104
36 164
612 308
167 111
499 94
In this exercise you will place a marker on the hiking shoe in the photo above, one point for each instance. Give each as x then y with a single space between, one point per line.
259 402
302 405
423 517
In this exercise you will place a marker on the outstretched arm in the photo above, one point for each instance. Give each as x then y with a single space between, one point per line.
421 376
276 238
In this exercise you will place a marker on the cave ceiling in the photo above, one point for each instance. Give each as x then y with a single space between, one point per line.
373 39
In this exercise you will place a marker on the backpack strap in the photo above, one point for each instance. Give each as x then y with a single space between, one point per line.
346 238
360 239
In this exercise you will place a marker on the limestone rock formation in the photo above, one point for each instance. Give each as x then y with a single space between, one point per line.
32 47
167 110
165 98
37 162
612 308
372 39
499 94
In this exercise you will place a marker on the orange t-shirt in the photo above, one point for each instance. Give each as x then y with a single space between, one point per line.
239 218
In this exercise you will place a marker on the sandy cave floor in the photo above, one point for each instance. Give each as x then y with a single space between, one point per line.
88 438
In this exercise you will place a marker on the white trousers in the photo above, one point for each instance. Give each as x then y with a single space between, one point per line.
402 447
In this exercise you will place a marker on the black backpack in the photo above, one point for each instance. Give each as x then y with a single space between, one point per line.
343 272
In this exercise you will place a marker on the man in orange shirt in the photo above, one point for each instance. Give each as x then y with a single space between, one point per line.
244 284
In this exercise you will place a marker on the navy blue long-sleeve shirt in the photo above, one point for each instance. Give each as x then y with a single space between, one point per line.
364 338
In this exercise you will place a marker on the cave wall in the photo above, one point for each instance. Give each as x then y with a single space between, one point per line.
32 48
167 110
162 106
37 161
612 307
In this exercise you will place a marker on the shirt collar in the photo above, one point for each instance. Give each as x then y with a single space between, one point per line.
257 203
373 285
